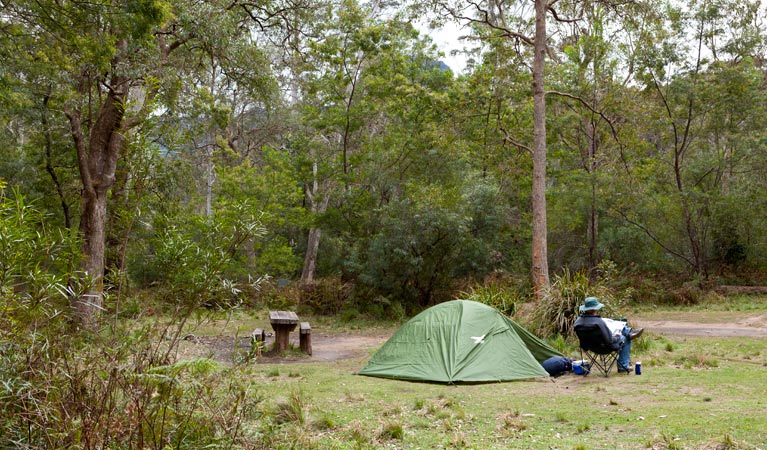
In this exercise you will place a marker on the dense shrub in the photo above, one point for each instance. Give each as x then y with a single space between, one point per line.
424 242
116 388
501 292
202 261
325 296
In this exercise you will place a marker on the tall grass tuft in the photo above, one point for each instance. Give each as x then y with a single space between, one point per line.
557 311
392 430
324 423
294 410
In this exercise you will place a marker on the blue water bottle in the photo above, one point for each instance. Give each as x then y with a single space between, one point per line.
638 368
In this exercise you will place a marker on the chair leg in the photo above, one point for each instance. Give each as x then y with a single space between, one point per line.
604 363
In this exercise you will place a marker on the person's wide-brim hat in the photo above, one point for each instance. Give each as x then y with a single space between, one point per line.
591 304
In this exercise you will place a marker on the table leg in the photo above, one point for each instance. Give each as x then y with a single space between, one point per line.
282 338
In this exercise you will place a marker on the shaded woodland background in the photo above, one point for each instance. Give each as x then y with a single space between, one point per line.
223 147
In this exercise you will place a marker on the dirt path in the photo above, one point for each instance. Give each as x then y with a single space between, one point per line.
753 326
334 347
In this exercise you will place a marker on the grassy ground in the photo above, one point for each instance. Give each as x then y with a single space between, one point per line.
694 393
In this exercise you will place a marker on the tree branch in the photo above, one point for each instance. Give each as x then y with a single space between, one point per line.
76 128
657 240
609 122
554 13
485 20
507 137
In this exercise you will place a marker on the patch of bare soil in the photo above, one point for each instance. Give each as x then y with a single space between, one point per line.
325 347
741 290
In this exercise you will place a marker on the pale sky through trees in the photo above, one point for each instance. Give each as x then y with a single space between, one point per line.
447 39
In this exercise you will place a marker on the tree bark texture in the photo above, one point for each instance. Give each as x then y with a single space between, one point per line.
592 232
540 269
310 258
317 205
97 161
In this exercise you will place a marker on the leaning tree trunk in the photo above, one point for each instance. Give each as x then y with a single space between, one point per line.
539 244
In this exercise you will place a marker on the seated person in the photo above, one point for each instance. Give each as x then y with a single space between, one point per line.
615 331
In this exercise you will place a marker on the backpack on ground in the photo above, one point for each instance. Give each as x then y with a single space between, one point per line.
558 365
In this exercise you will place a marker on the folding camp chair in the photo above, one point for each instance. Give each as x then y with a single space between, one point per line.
601 354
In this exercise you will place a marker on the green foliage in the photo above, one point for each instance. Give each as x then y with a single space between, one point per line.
34 268
325 297
424 242
293 410
559 343
199 261
35 260
382 308
502 293
414 175
272 185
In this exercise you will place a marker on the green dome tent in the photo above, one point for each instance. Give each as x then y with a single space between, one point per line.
460 341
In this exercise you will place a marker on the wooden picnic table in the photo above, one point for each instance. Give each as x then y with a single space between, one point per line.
283 322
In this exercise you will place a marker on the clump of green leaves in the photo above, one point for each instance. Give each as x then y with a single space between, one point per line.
432 236
198 259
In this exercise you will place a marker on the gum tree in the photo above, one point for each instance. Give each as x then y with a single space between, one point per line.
107 66
526 29
701 111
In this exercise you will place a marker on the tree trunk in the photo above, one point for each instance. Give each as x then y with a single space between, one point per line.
310 259
49 164
539 245
693 237
93 229
209 180
593 229
317 206
97 162
592 232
